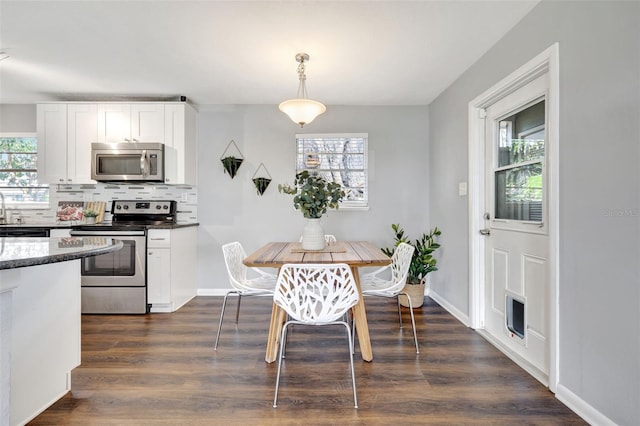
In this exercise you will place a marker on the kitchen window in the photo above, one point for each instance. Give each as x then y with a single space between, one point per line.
340 158
18 171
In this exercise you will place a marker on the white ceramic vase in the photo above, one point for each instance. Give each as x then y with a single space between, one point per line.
313 235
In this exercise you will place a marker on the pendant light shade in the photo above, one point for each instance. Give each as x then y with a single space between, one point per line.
302 110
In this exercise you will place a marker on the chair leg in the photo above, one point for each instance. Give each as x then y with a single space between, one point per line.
283 341
224 304
353 338
238 308
353 374
413 323
280 357
399 310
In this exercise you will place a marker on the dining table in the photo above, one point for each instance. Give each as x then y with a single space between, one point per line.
356 254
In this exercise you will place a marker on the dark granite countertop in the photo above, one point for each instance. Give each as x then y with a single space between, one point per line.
173 226
21 252
35 225
59 225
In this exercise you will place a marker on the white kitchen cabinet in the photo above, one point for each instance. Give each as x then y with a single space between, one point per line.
52 143
180 144
171 268
82 131
67 130
44 331
159 267
131 122
65 134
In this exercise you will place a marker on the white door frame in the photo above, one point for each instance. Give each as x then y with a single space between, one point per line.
545 62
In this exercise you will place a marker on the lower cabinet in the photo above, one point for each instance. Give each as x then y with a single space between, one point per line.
171 268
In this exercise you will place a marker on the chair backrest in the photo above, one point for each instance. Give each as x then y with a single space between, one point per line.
234 254
316 293
400 262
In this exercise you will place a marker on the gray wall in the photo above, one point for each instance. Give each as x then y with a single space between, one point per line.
230 209
17 118
599 186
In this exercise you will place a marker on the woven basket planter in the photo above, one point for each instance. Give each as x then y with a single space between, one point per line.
415 292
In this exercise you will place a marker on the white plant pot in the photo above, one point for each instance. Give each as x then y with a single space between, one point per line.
90 219
313 235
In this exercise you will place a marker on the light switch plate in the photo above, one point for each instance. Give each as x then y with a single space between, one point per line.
462 189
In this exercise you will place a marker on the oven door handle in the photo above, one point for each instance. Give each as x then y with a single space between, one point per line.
79 233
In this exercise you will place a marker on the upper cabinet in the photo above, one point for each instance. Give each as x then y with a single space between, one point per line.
67 130
65 133
180 147
139 122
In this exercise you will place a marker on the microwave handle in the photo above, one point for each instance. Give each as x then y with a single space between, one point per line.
143 163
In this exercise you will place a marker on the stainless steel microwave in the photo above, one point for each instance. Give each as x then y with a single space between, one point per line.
123 162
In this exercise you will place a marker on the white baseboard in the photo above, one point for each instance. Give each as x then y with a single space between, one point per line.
219 292
582 408
212 291
460 316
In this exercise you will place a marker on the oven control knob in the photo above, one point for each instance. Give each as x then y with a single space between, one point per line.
126 207
165 207
158 207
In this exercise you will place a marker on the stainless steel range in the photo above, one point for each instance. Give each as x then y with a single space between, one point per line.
116 283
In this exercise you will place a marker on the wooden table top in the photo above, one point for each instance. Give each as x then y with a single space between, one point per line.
353 253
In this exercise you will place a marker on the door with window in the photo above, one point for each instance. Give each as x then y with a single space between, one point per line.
516 291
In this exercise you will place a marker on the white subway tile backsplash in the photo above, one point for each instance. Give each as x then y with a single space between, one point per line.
185 195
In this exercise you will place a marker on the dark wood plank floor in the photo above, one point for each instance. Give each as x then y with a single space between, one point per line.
161 369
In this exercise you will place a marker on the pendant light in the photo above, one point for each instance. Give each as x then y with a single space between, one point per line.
302 110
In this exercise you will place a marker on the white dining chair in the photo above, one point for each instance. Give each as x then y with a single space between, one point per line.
261 284
389 281
316 295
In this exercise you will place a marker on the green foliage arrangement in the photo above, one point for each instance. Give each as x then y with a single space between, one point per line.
313 195
422 261
90 213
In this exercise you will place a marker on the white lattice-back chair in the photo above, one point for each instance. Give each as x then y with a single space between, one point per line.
315 294
262 283
328 238
378 282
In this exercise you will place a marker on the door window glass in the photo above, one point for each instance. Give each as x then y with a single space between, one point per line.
519 175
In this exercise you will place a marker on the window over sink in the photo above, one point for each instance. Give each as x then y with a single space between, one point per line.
18 171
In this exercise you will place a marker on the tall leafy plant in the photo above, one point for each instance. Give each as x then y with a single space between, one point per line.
422 262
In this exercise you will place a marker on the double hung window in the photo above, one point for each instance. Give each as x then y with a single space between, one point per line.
18 171
340 158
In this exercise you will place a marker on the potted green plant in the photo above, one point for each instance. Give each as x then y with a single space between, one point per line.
90 215
422 262
313 196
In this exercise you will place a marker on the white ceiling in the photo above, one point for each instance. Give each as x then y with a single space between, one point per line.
243 52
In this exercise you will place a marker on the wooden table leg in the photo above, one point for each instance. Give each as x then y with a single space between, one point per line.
278 315
360 319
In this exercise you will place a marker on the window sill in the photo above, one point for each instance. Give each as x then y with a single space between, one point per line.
27 206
